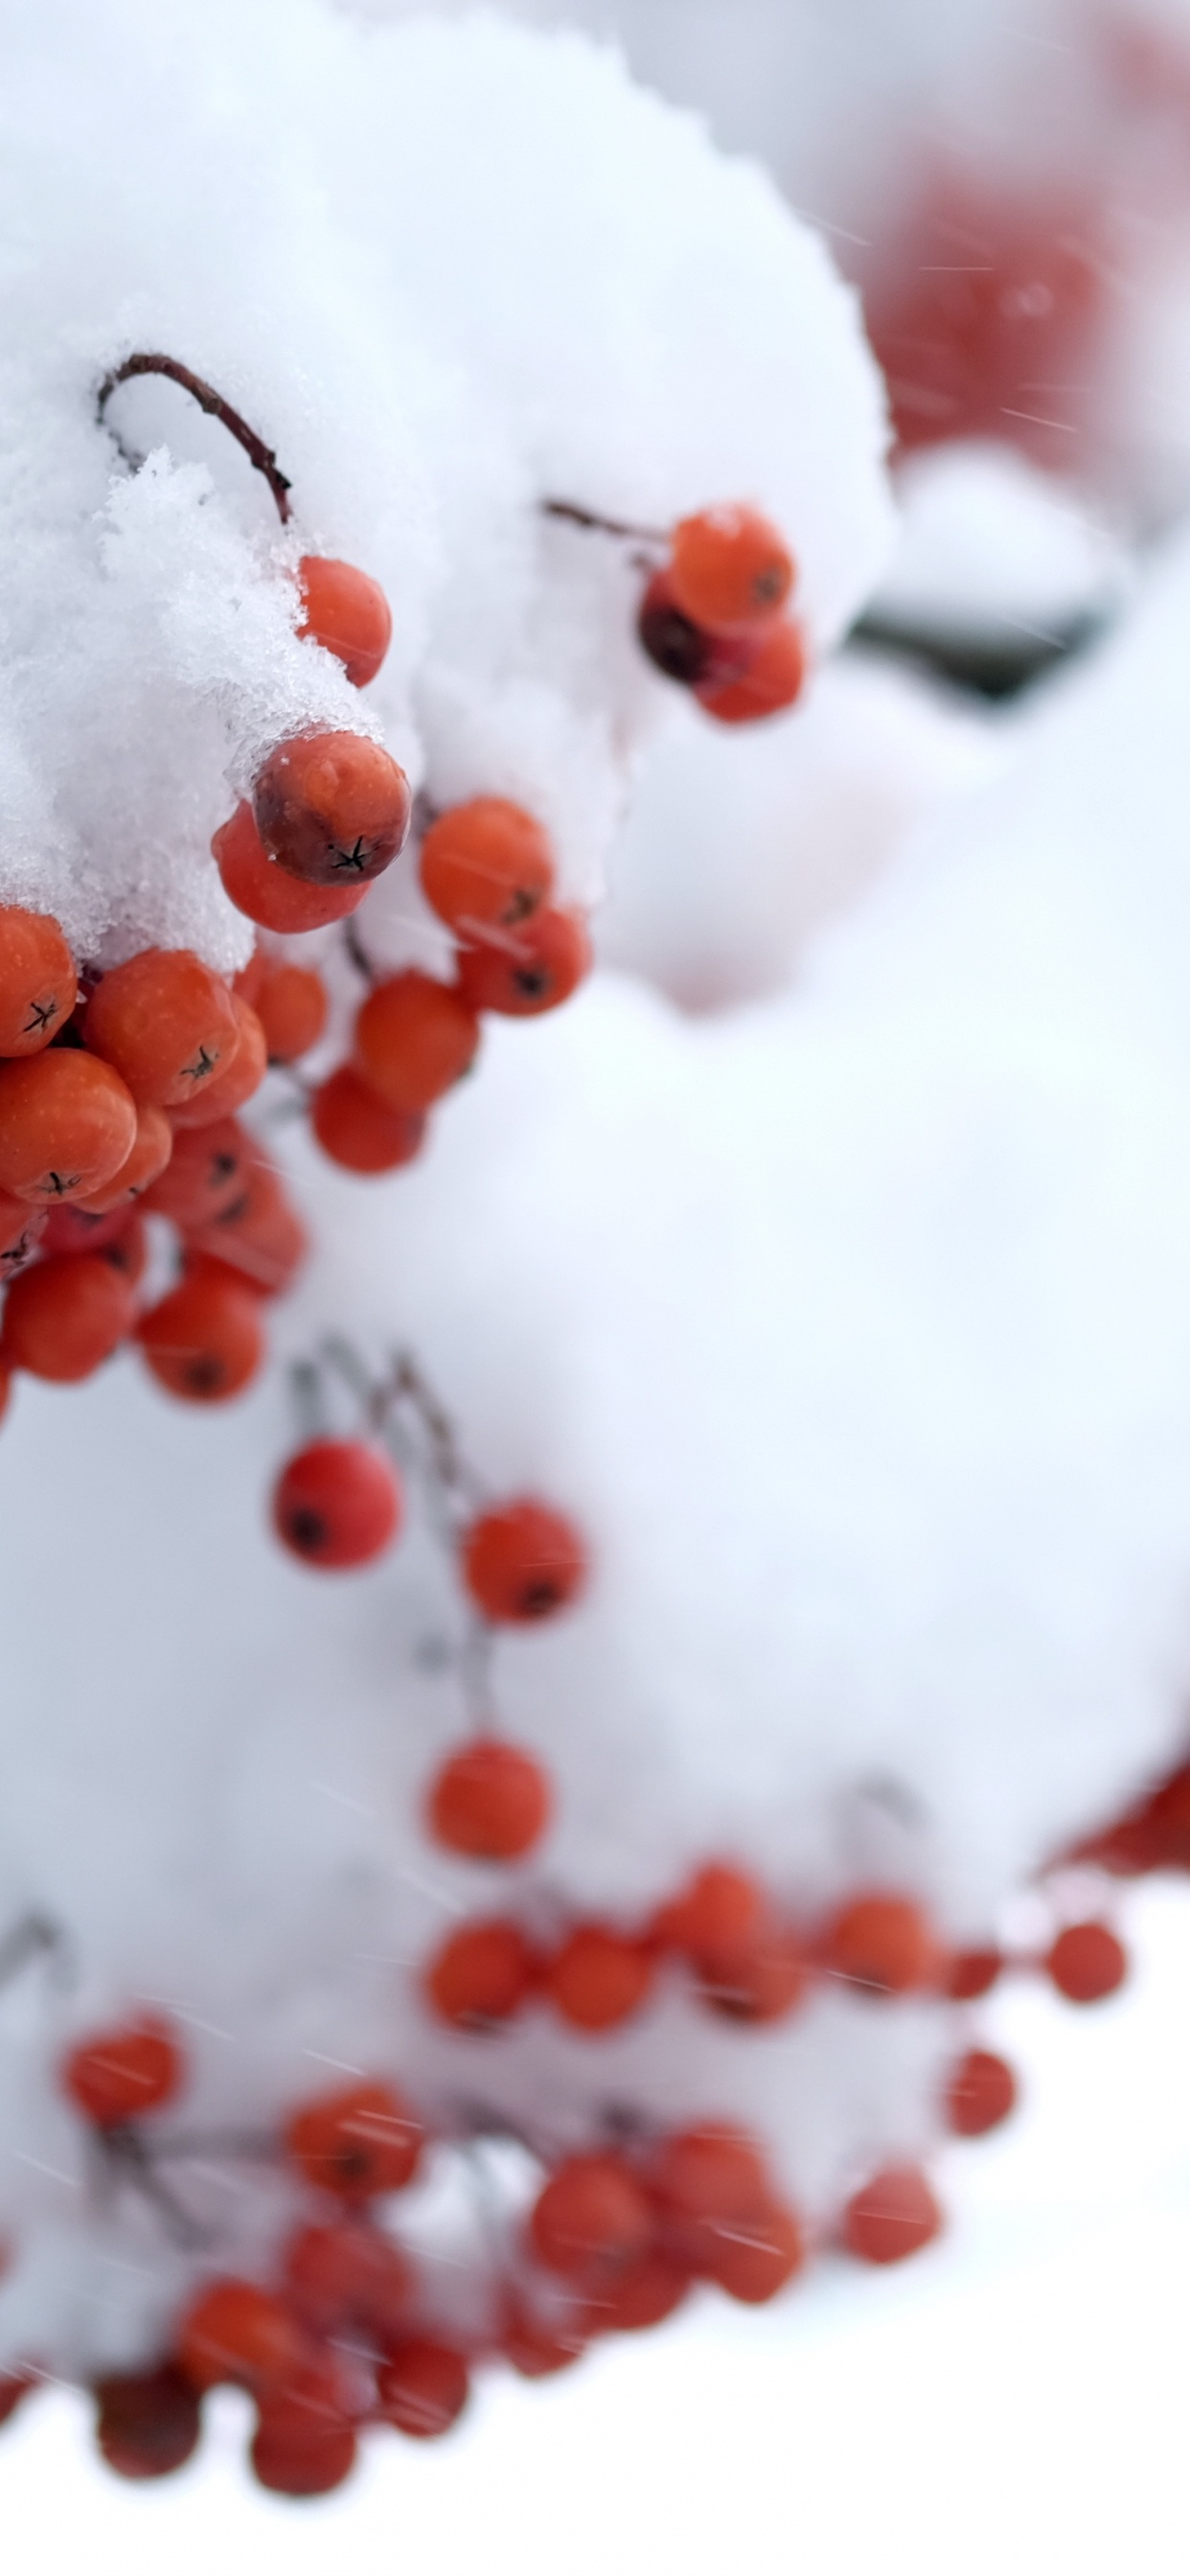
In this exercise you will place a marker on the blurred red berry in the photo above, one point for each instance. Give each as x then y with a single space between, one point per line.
204 1342
729 567
489 1802
338 1503
893 2216
120 2074
291 1005
355 1128
422 2388
414 1039
236 2331
522 1561
591 2222
528 970
357 2142
147 2422
66 1316
598 1979
481 1975
883 1943
773 680
1086 1962
487 864
981 2093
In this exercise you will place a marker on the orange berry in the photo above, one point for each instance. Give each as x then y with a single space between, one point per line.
414 1038
67 1123
152 1148
591 2221
346 612
258 1235
481 1975
268 894
203 1342
773 680
348 2276
250 978
729 567
521 1561
709 2183
126 1251
354 1127
148 2421
241 1075
755 2260
884 1943
235 2331
422 2388
486 864
290 1003
166 1024
528 970
38 986
490 1802
207 1172
980 2094
1086 1962
718 1921
120 2074
686 652
536 2348
22 1228
356 2142
892 2217
337 1504
299 2447
642 2296
598 1979
332 808
763 1984
66 1316
972 1973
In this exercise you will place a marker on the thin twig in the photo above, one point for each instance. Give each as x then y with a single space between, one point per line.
149 362
579 517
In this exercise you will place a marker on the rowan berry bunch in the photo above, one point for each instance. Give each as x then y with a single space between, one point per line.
714 612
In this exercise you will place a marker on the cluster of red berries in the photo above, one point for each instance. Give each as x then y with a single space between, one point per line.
118 1096
713 615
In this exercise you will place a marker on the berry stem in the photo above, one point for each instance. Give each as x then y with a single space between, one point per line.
146 362
128 2159
357 952
580 517
33 1932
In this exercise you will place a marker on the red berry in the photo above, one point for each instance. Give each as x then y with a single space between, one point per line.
148 2422
239 1078
207 1171
980 2094
536 2348
487 864
357 2142
348 2276
522 1561
235 2331
354 1127
166 1024
763 1984
204 1341
598 1979
22 1228
300 2447
122 2073
290 1003
422 2388
66 1316
893 2216
1086 1962
490 1802
15 2386
883 1943
5 1400
972 1973
414 1038
642 2296
729 567
128 1249
686 652
338 1503
709 2184
346 612
151 1152
481 1975
774 679
268 894
718 1921
67 1123
591 2222
754 2261
38 987
332 808
527 970
258 1237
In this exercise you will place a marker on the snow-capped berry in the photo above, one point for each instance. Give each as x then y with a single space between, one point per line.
729 567
66 1316
348 2276
166 1024
486 864
332 808
120 2074
422 2388
207 1171
346 612
38 985
531 969
481 1975
598 1979
268 894
147 2422
522 1561
591 2221
356 1129
490 1802
152 1150
239 1077
356 2142
291 1005
204 1342
414 1038
338 1503
67 1123
773 680
972 1973
1086 1962
235 2331
893 2216
884 1943
981 2093
684 651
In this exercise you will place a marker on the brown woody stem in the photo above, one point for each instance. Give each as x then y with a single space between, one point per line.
145 362
580 517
